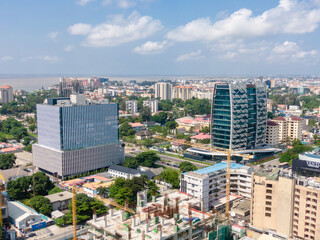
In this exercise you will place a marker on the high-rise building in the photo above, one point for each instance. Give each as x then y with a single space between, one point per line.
132 106
182 92
76 136
286 205
239 116
272 136
209 184
6 94
163 90
152 104
290 127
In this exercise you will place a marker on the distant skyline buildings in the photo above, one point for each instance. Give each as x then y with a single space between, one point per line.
6 94
163 90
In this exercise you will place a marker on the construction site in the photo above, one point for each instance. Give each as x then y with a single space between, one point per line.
174 216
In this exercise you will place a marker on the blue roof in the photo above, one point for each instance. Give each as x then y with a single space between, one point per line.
217 167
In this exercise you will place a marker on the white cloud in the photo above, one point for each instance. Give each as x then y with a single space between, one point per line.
126 3
190 56
6 58
46 58
151 48
84 2
291 51
290 16
106 2
69 48
80 29
117 31
53 35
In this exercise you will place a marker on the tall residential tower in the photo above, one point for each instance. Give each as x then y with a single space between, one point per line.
76 136
239 116
163 90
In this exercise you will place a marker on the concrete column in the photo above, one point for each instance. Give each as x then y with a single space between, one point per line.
112 212
105 221
122 216
175 237
162 221
94 216
190 233
147 225
134 222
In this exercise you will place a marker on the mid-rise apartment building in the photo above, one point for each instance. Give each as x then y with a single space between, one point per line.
6 94
209 184
76 136
286 205
289 127
182 92
153 104
202 95
163 90
132 106
272 136
239 115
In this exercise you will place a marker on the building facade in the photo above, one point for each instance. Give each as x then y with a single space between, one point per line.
75 138
153 104
6 94
290 127
132 106
272 136
239 116
182 92
163 90
209 184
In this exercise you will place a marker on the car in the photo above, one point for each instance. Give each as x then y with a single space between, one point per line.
32 234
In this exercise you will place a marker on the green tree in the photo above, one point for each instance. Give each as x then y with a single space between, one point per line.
55 190
126 130
32 127
147 143
165 105
7 160
145 113
18 132
28 148
130 162
205 129
148 158
152 189
41 204
102 191
187 166
3 139
161 117
171 176
18 189
42 183
171 124
9 124
26 140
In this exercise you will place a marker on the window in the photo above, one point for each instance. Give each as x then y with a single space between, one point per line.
268 203
269 197
269 185
268 214
269 191
268 209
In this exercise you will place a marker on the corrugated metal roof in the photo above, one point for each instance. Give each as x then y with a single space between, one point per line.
217 167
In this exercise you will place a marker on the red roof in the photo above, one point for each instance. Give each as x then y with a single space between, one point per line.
5 86
272 123
136 124
201 136
279 119
296 119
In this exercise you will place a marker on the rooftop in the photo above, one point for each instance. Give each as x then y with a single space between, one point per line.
61 196
13 172
95 185
124 169
217 167
272 123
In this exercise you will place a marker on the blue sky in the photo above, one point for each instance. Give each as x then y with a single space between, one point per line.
160 37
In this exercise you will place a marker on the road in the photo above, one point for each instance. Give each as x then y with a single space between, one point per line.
170 158
67 235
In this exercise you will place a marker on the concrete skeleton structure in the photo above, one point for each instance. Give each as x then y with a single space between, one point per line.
171 217
209 184
76 136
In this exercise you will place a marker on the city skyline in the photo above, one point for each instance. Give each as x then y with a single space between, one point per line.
153 37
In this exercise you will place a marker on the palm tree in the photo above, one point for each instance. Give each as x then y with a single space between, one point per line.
102 191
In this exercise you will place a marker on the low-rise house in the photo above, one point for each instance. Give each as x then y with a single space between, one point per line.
200 137
145 134
137 126
178 147
21 216
12 174
60 201
128 173
91 189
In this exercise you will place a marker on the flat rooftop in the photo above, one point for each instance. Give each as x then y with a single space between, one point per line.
218 167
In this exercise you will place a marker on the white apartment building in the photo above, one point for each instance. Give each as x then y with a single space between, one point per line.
6 94
272 136
289 127
132 106
182 92
209 184
123 172
153 104
202 95
163 90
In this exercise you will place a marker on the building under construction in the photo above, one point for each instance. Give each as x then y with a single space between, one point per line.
173 216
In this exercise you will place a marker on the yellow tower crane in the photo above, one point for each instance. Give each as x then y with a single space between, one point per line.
74 213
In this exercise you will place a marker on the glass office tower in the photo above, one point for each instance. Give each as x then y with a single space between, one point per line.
239 116
74 138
